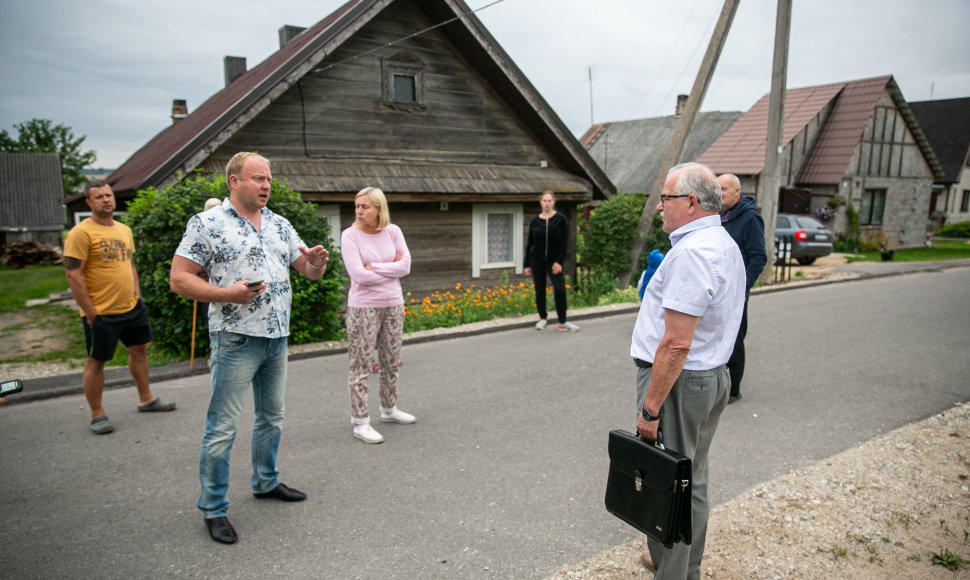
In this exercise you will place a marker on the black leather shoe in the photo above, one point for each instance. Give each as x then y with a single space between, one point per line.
221 530
281 492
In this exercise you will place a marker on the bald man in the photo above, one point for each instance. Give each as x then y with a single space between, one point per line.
740 217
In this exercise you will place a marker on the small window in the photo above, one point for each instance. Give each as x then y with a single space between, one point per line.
496 237
404 89
965 202
873 204
403 82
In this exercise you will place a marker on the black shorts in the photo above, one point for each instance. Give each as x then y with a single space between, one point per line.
132 328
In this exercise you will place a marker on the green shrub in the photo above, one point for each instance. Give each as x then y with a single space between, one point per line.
957 230
158 218
607 235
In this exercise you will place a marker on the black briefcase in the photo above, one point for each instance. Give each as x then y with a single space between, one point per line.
649 487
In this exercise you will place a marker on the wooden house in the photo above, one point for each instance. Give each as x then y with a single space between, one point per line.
630 152
32 194
412 96
946 123
856 139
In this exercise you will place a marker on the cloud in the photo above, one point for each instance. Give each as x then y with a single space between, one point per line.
110 68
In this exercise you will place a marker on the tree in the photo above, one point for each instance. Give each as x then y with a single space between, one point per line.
158 217
607 236
42 136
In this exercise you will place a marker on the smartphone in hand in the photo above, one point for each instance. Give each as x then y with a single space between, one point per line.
254 283
11 387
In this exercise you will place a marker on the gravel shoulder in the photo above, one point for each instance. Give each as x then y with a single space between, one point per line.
879 510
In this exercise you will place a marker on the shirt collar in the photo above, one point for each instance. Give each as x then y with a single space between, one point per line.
700 223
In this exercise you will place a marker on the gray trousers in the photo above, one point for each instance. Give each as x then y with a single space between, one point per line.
690 416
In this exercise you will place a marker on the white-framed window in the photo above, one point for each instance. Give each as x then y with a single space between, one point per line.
331 213
496 237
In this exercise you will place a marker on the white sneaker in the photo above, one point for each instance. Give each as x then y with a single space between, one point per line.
367 434
541 324
568 327
395 415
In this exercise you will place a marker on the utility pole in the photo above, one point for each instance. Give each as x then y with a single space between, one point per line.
776 114
676 148
589 70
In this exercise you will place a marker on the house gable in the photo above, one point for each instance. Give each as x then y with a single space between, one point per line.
887 148
334 129
189 144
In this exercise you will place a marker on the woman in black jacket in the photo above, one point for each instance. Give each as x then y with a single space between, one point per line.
545 252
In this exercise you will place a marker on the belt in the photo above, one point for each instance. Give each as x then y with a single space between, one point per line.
642 363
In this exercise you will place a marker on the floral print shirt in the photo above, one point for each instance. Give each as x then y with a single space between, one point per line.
229 249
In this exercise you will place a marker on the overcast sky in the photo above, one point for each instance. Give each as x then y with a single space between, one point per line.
110 68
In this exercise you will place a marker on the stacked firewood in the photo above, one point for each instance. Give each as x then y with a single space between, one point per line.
24 254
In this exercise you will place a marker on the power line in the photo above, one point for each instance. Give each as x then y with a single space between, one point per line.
662 66
673 87
404 38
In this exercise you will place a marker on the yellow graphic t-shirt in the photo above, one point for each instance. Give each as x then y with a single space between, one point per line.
108 252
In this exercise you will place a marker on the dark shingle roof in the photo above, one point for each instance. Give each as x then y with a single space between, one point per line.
946 123
631 151
31 191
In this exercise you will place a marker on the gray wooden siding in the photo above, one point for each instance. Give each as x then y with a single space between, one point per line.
346 117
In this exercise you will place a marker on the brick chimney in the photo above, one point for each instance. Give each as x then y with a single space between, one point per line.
180 110
681 105
288 33
235 67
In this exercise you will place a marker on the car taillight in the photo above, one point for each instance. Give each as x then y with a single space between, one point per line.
801 236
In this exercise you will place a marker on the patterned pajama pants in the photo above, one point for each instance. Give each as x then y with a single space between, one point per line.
374 345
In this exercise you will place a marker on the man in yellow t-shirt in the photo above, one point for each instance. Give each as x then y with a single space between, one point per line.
100 267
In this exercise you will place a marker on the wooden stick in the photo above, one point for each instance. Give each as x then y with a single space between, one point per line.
195 307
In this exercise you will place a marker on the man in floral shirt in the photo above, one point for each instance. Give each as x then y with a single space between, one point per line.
246 251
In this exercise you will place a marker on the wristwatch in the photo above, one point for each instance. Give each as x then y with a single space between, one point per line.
648 417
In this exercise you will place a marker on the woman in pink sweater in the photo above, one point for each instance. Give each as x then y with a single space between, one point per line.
376 258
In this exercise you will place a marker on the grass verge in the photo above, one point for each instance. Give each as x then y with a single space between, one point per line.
941 250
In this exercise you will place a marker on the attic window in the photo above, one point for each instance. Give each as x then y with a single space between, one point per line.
403 82
404 89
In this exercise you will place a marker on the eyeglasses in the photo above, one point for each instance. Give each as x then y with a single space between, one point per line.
665 198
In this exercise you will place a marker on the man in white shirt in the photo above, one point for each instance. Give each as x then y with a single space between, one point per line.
683 337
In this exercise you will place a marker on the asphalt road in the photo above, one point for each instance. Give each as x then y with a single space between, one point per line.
504 473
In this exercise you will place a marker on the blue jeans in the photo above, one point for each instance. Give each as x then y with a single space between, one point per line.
239 361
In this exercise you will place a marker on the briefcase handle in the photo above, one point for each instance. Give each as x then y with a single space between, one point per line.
659 443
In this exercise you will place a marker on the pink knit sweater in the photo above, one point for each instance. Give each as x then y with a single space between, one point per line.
380 286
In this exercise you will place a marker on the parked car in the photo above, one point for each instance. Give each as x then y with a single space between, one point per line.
809 238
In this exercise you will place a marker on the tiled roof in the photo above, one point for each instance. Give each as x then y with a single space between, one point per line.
741 149
842 132
946 123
